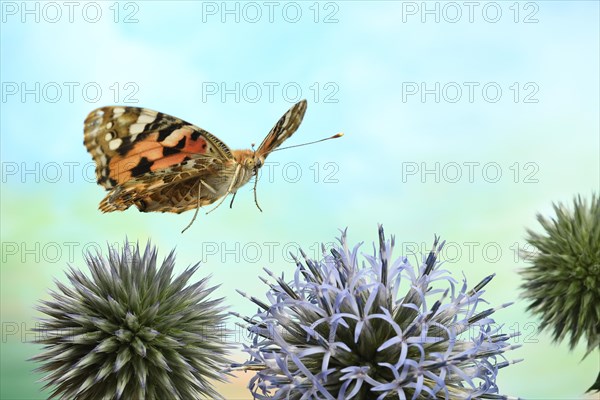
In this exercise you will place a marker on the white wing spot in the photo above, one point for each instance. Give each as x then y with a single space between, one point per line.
108 137
118 111
114 144
282 135
147 117
109 125
134 129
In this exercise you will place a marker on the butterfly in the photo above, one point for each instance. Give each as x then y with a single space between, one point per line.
158 162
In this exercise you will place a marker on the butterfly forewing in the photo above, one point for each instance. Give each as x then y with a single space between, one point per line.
127 142
283 129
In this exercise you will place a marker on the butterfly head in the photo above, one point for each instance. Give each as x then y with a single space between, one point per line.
258 159
254 163
250 160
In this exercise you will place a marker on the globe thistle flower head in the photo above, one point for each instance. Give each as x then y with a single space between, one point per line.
562 280
341 329
131 331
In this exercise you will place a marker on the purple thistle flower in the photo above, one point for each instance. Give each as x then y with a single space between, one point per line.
341 330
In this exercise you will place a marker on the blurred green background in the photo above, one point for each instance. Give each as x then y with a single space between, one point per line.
462 120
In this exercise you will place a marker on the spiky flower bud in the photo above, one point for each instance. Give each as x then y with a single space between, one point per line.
131 331
563 279
342 330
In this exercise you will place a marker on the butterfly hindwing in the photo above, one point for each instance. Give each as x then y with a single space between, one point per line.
283 129
173 189
127 142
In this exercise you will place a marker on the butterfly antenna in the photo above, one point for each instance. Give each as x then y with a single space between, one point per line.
337 135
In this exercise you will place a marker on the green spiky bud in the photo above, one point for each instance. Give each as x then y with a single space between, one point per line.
563 279
131 331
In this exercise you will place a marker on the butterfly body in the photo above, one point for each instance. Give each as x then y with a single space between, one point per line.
161 163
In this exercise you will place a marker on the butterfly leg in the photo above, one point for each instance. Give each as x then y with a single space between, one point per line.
229 189
255 198
232 198
197 208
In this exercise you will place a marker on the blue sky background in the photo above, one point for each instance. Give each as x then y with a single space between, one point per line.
355 66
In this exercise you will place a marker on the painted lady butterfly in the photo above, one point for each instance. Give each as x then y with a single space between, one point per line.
158 162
